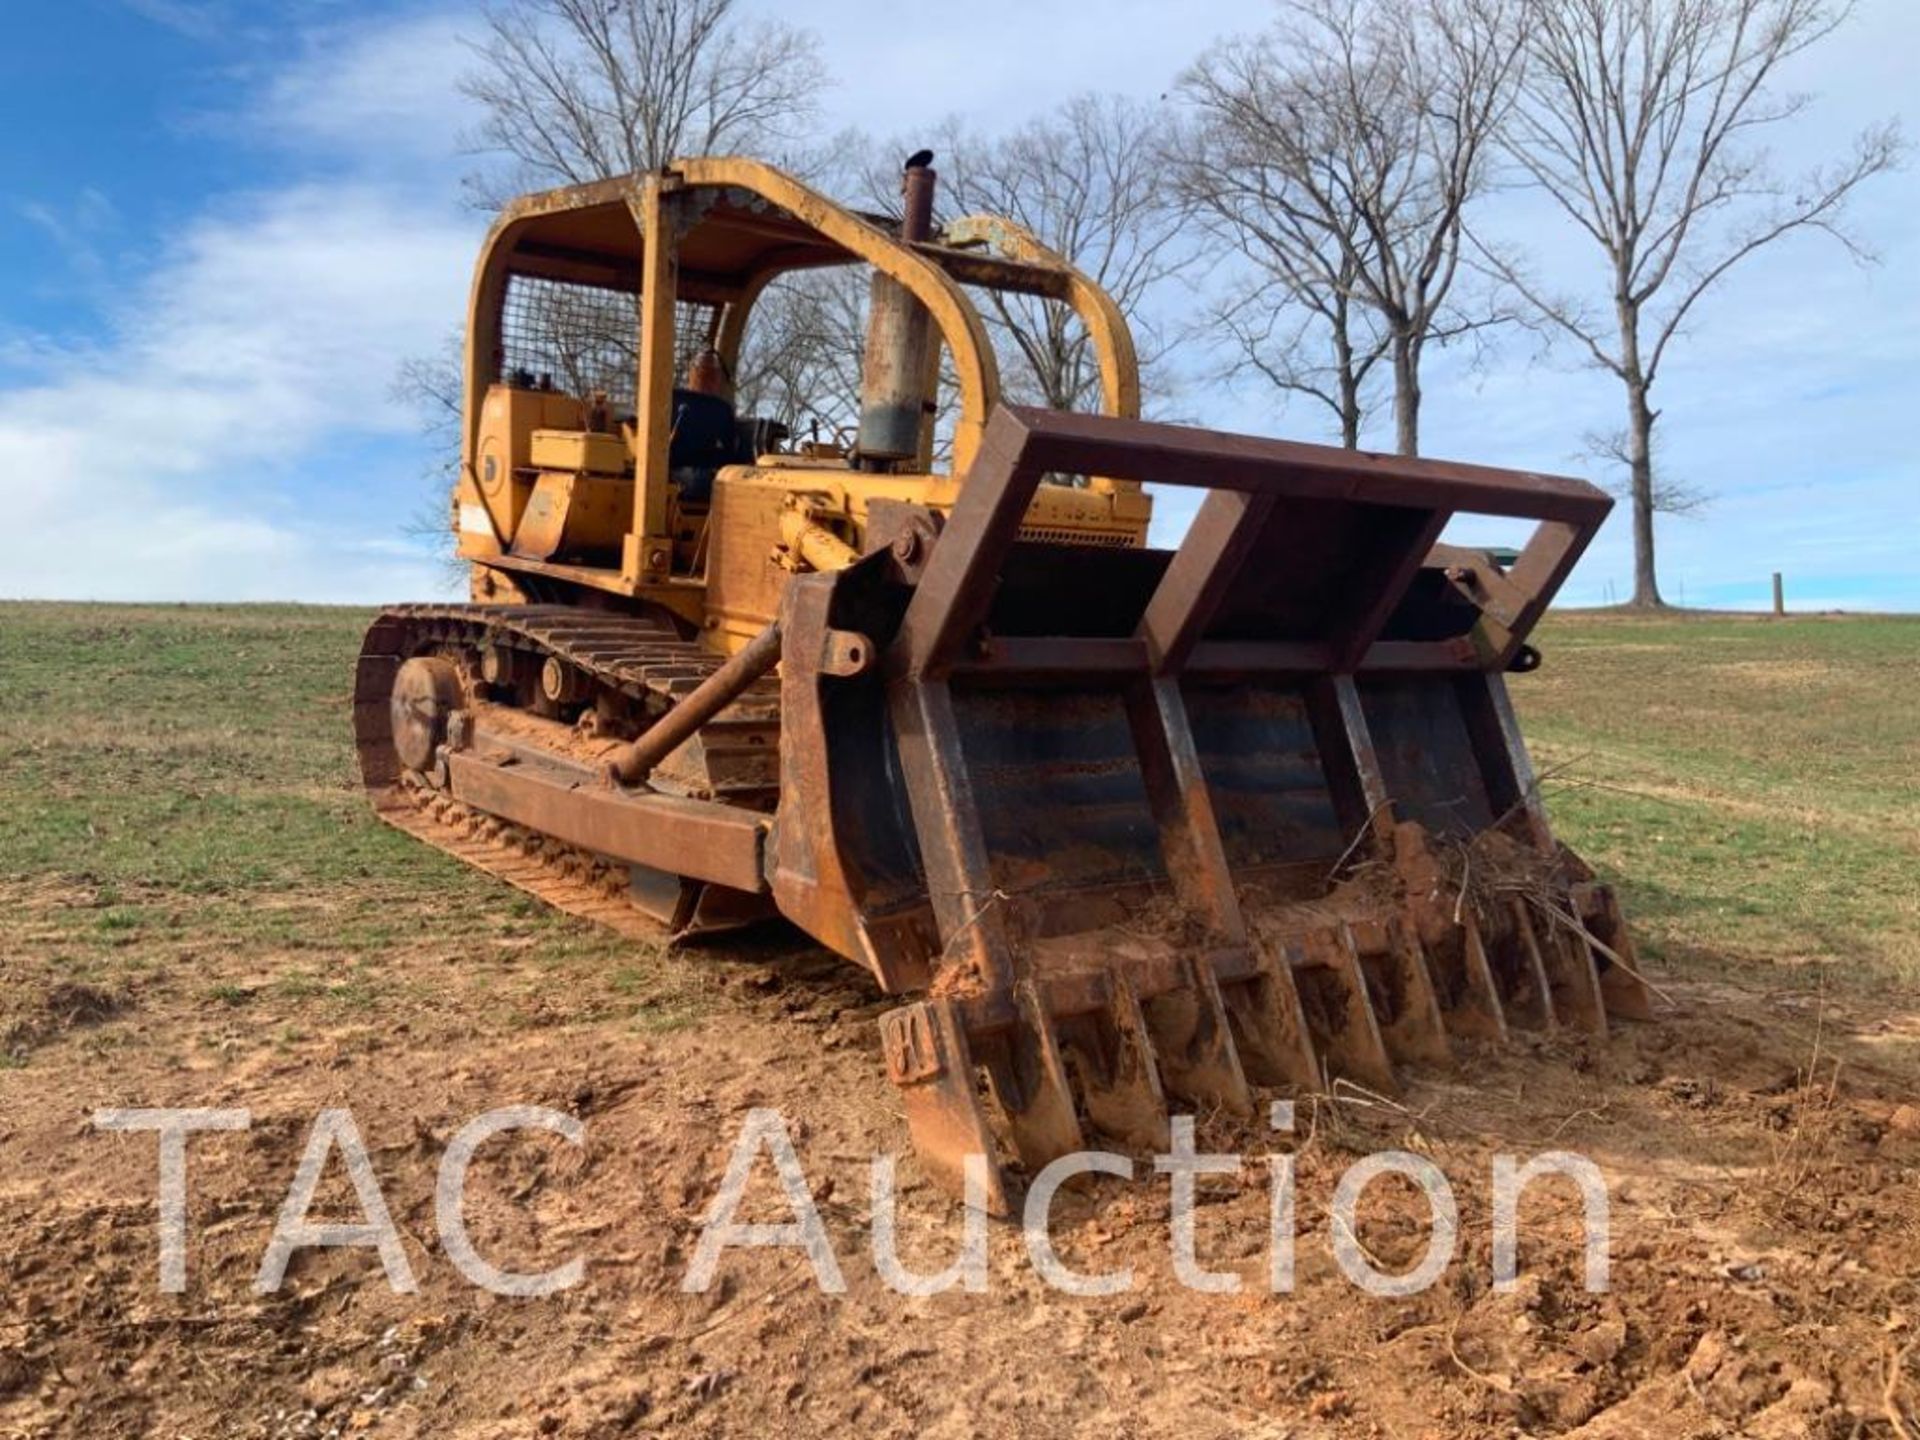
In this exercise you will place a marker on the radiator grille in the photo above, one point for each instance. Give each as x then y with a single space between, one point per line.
1053 535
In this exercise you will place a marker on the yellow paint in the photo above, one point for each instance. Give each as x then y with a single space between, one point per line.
541 497
579 450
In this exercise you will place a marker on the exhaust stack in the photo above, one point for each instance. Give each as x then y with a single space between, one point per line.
893 375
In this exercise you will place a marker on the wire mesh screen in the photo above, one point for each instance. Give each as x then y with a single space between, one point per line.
585 338
696 325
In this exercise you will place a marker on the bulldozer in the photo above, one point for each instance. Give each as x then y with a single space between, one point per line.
1122 827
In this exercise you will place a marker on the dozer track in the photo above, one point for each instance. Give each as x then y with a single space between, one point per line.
1122 828
617 673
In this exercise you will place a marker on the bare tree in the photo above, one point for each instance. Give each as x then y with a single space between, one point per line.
1290 319
1085 179
572 91
1638 118
800 364
1271 329
579 90
1341 149
429 385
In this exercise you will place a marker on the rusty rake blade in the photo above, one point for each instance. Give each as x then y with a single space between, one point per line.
1463 980
1513 957
1401 991
1269 1026
1198 1060
1113 1057
929 1060
1029 1082
1572 982
1623 989
1339 1009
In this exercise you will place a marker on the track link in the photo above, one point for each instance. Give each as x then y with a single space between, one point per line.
566 878
639 658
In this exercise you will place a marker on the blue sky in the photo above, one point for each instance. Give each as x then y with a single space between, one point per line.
224 223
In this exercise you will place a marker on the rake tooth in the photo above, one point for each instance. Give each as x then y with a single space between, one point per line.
1198 1061
1528 999
1118 1069
929 1059
1401 989
1269 1028
1339 1012
1030 1083
1475 1010
1448 940
1568 961
1423 998
1622 989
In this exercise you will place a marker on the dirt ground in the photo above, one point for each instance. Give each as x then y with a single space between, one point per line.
1764 1241
1760 1144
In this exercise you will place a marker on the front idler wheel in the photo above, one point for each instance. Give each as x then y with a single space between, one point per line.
426 691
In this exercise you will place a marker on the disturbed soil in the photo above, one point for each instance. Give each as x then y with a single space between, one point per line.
1761 1159
1760 1144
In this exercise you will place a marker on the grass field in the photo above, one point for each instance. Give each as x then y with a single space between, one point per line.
198 909
178 782
1753 784
178 802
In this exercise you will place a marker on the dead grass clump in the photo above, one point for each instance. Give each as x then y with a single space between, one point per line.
67 1005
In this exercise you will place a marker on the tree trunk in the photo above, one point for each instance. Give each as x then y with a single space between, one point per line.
1646 589
1349 381
1349 408
1406 395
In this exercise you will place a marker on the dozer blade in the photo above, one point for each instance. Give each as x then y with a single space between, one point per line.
1154 828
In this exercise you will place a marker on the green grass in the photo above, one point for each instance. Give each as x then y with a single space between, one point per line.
1754 785
202 750
177 790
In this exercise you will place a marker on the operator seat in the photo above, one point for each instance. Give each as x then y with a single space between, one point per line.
704 438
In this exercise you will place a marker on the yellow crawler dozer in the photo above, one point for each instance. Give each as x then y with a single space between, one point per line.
1116 824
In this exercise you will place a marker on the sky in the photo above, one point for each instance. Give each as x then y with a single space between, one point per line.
224 225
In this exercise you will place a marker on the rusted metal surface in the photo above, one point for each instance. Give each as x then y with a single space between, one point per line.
523 800
1032 267
1339 1010
928 1058
1126 828
426 691
634 664
1306 608
693 712
1162 837
1212 459
1623 989
696 838
1223 535
894 370
1137 829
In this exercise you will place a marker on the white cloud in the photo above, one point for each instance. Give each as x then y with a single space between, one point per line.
199 454
995 62
195 19
384 96
213 447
